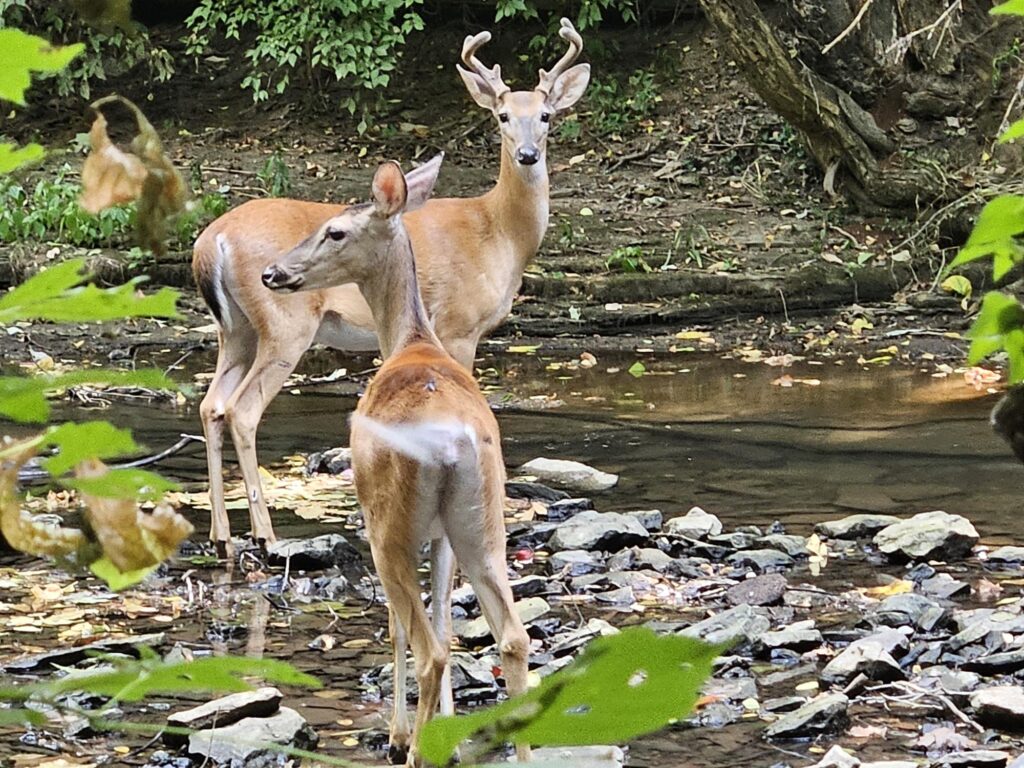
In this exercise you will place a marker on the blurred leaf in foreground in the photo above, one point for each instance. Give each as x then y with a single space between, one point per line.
23 54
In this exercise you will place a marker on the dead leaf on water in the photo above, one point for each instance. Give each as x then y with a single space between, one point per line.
897 587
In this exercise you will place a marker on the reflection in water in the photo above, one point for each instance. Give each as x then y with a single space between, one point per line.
700 430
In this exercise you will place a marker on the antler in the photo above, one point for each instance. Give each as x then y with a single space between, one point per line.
493 75
568 33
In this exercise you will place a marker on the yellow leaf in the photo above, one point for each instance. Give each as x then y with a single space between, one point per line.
524 349
898 587
959 285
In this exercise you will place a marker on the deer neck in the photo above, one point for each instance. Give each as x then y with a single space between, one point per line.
519 205
393 294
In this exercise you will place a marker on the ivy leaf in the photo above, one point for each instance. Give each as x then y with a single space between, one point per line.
89 440
1013 8
13 156
1000 221
129 483
23 54
622 686
999 326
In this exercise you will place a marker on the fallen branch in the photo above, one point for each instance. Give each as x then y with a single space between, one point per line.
850 27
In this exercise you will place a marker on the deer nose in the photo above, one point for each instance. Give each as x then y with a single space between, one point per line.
527 155
276 279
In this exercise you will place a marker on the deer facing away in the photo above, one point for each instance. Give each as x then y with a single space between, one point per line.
471 253
425 448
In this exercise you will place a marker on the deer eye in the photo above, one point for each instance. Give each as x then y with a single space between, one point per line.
503 117
545 117
336 234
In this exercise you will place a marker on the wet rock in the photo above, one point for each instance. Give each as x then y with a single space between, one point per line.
794 546
944 586
636 558
328 551
520 489
66 657
783 704
731 689
563 509
569 474
243 741
1000 706
602 531
761 560
928 536
334 588
837 757
801 636
577 561
569 641
1006 555
580 757
651 519
948 680
979 758
472 679
333 461
767 589
807 597
621 597
528 586
997 663
920 572
826 713
224 711
734 540
855 526
695 524
476 631
898 610
863 658
743 621
531 535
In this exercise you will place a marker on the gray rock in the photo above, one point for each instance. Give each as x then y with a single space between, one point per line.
743 622
766 589
928 536
66 657
794 546
783 704
731 688
520 489
761 560
246 740
569 474
569 641
580 757
948 680
333 461
1009 555
476 630
909 608
651 519
563 509
855 526
996 663
602 531
866 658
944 586
801 636
577 561
892 641
330 550
837 757
979 758
1000 706
695 524
826 713
734 540
528 586
224 711
636 558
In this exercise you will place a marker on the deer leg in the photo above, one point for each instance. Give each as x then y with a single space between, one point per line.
233 361
398 741
442 573
268 373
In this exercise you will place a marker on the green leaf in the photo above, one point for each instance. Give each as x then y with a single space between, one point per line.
1015 131
1013 7
115 579
127 483
23 54
20 716
87 440
621 687
999 326
959 285
13 156
1000 221
52 295
23 398
135 680
637 369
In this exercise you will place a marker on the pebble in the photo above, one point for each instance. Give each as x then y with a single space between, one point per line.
767 589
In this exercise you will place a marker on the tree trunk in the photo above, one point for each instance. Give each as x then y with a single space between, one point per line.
843 138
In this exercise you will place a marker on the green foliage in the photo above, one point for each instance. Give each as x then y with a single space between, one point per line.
617 107
103 53
589 13
995 234
13 156
620 687
629 258
24 54
1013 7
275 176
356 41
999 327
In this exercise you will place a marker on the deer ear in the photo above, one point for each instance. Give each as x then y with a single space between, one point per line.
481 91
568 88
420 182
389 190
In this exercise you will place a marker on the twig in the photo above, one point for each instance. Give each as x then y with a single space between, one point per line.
648 150
218 169
903 43
850 27
29 475
910 687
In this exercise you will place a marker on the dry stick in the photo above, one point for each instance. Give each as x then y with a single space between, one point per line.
911 688
850 27
904 42
648 150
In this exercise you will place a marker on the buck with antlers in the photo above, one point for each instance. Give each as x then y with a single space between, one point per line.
471 254
425 450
